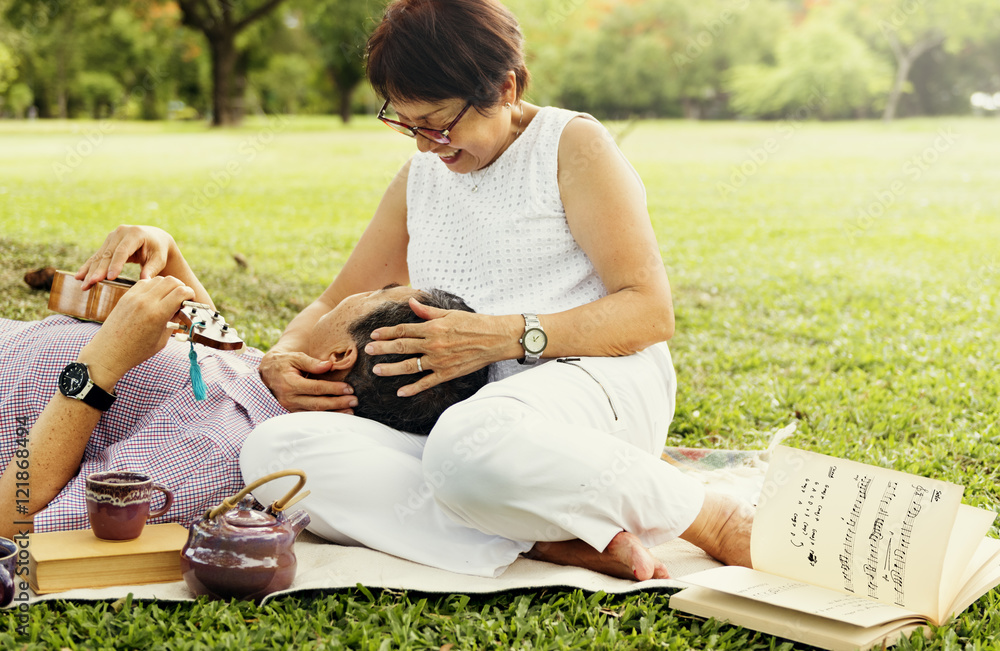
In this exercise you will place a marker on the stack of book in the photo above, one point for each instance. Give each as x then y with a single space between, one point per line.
65 560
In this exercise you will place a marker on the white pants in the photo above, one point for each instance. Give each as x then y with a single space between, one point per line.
567 450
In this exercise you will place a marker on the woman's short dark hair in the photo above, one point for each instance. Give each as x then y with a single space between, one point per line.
377 399
434 50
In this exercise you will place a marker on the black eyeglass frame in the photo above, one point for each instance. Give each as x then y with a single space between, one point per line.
439 136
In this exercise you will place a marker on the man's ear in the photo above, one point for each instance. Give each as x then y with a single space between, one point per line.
344 360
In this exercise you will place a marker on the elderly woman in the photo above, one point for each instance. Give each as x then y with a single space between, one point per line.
537 219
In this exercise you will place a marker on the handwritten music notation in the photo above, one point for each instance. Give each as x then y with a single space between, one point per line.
805 520
888 538
847 558
876 537
899 554
874 533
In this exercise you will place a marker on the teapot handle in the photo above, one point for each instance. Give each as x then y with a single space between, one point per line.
280 505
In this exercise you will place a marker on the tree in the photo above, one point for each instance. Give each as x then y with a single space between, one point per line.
623 67
943 82
550 29
125 54
911 28
820 70
284 84
103 57
48 47
341 29
9 61
221 22
720 35
665 57
19 98
8 68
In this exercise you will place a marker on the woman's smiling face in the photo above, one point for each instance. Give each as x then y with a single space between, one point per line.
476 139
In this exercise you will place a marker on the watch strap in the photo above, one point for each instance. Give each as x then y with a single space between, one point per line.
97 397
91 394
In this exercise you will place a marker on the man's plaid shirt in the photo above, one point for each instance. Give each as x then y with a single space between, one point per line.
156 426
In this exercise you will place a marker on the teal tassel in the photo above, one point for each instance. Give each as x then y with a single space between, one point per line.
198 384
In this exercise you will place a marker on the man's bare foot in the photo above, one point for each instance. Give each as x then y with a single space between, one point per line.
722 529
625 557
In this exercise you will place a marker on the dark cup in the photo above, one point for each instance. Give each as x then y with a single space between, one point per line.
118 503
8 565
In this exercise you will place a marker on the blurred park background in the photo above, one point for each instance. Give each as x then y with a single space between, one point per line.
821 177
219 60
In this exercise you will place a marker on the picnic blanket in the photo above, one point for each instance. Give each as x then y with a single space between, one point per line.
325 566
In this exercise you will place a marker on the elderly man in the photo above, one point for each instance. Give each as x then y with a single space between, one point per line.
140 412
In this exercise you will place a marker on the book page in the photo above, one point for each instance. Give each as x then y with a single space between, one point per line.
971 526
985 577
800 627
855 528
798 596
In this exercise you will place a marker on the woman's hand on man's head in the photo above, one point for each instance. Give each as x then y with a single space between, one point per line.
449 344
286 374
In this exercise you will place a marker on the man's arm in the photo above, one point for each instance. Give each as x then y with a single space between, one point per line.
152 248
135 331
378 260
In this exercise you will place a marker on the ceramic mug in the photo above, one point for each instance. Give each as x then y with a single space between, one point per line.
8 567
118 503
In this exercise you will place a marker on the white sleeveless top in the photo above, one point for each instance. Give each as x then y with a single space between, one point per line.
504 246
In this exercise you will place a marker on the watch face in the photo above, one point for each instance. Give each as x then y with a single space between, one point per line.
535 341
73 379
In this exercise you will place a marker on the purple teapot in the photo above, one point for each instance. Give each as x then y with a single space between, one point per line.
242 553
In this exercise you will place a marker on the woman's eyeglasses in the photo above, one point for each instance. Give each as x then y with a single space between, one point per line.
439 136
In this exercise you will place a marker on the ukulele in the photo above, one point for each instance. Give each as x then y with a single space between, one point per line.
95 304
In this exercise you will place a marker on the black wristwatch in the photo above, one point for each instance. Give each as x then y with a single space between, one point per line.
533 340
75 382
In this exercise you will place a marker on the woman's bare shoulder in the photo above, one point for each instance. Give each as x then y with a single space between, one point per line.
583 133
588 153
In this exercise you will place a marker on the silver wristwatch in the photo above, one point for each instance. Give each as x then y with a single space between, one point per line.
533 340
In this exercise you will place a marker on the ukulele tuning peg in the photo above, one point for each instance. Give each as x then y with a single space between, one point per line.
181 337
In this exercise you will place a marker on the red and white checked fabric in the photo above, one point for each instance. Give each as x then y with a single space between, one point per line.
156 426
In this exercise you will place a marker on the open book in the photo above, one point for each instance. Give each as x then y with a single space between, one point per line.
849 556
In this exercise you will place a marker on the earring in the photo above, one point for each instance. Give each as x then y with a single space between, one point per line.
507 105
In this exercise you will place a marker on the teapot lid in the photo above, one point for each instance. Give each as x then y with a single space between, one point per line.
244 516
249 519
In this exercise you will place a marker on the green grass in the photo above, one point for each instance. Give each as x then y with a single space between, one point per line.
839 286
